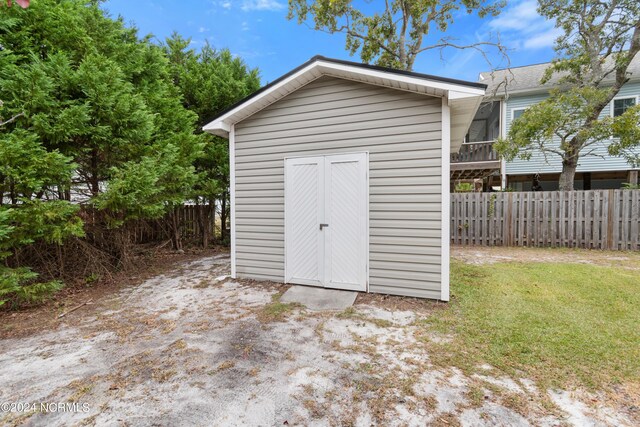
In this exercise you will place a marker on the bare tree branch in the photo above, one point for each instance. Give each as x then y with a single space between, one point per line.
12 119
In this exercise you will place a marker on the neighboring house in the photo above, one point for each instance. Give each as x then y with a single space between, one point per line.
509 93
340 177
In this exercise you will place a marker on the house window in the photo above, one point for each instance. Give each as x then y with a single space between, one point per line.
621 105
517 112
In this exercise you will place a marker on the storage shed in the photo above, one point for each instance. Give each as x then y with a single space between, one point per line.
340 177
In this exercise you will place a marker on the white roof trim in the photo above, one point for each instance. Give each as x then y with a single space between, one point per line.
219 123
465 96
420 82
217 126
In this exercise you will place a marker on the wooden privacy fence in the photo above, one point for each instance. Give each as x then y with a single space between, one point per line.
188 218
593 219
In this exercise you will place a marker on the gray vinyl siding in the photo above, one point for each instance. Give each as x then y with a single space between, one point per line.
600 161
402 133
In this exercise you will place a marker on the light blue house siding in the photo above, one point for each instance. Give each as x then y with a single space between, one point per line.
603 162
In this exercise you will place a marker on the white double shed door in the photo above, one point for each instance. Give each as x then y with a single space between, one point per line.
326 215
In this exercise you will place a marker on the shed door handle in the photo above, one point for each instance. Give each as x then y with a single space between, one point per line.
323 226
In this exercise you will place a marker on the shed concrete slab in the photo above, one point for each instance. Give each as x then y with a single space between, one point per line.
319 299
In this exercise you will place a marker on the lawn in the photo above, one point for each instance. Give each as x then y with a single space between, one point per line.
558 323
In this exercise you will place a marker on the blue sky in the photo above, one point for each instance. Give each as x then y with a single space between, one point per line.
258 31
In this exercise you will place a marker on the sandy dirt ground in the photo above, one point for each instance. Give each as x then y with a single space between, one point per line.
194 348
487 255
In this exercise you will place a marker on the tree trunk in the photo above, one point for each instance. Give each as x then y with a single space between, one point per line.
177 238
205 209
568 174
213 212
223 218
95 179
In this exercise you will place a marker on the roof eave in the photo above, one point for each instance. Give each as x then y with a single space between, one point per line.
319 66
218 127
544 89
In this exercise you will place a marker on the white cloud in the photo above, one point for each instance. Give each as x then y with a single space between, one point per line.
245 26
203 30
224 4
520 17
522 26
542 40
271 5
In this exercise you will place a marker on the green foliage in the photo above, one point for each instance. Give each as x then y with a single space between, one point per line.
630 186
50 221
596 38
95 117
210 81
92 115
92 90
564 116
146 189
18 286
28 169
626 128
394 35
492 205
27 173
464 187
599 41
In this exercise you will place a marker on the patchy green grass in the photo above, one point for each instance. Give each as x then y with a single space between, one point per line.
277 311
559 324
352 313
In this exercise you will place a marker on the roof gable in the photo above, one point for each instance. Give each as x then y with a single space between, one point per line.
464 97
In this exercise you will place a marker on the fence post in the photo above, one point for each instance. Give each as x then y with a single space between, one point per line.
508 233
610 210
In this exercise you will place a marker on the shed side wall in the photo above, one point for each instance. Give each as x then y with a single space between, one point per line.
402 133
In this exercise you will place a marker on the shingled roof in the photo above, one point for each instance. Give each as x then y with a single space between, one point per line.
527 79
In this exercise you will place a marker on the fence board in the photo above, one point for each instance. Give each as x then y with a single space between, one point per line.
593 219
188 217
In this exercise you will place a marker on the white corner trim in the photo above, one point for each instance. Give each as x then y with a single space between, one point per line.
368 234
232 196
503 134
446 200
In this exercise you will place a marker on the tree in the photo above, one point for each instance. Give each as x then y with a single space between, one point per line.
599 41
28 174
627 129
83 91
90 88
395 35
210 81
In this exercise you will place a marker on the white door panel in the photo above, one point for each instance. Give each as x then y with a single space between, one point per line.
346 214
330 190
304 200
